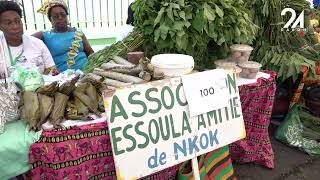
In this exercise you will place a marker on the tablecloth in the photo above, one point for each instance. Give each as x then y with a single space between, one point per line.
82 152
85 152
257 102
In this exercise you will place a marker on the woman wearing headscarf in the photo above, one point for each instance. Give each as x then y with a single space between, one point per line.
68 46
17 48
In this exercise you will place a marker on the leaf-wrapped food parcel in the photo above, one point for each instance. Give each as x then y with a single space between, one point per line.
46 105
60 103
30 111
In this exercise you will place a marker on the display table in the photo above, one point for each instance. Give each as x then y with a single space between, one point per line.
85 152
257 102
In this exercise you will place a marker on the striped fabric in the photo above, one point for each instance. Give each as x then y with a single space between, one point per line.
216 165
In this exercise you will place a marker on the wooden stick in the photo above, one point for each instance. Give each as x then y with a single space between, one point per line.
195 169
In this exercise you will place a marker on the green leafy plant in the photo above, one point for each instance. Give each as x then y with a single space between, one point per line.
282 51
189 26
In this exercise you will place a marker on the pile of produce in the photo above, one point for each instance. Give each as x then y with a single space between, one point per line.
132 42
55 102
75 99
119 73
191 27
279 50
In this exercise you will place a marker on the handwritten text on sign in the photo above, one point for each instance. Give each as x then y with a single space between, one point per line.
151 130
206 91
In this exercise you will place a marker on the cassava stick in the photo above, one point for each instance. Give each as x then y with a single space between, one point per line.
135 71
98 69
92 78
120 60
119 76
108 66
115 83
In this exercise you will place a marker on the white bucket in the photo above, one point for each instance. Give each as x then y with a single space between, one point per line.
173 65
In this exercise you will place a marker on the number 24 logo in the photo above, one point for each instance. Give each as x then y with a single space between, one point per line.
293 19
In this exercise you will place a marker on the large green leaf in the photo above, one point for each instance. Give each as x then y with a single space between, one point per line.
187 24
208 12
163 31
180 2
181 33
219 11
175 13
175 6
198 23
178 25
170 13
237 31
156 35
158 18
182 14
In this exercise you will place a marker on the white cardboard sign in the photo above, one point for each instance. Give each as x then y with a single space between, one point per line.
206 91
151 129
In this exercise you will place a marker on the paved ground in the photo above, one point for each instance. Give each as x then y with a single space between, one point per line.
290 164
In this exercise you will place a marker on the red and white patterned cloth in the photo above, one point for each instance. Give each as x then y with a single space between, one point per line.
257 102
78 153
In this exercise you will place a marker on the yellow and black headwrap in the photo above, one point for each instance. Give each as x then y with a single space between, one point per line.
49 4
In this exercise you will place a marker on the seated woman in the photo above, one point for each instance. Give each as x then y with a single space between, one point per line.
68 46
18 48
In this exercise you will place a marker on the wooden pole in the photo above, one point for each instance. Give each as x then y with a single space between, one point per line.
195 169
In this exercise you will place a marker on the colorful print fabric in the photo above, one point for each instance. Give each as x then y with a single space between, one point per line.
257 103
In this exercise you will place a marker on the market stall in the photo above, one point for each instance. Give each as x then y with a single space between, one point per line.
74 121
85 151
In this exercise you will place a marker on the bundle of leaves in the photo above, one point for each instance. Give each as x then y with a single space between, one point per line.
190 27
285 52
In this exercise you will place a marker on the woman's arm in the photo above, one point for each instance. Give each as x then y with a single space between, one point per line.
87 48
38 35
48 61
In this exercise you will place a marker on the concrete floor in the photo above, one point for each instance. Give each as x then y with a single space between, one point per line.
290 164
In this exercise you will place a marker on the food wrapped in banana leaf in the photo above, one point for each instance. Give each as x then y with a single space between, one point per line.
92 106
82 109
91 91
69 86
49 90
30 111
60 103
46 105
